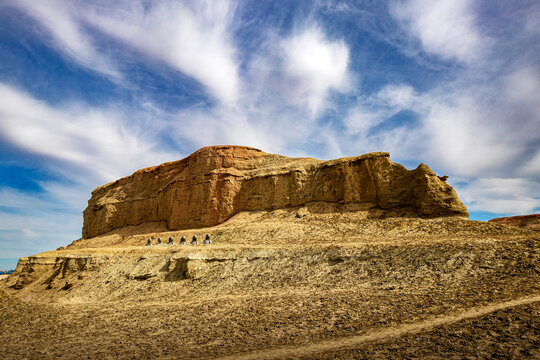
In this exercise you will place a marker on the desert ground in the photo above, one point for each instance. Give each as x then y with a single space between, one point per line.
296 283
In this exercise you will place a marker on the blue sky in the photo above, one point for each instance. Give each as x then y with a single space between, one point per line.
91 91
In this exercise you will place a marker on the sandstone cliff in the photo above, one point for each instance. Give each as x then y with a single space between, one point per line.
214 183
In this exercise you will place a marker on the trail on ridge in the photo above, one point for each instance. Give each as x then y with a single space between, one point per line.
382 334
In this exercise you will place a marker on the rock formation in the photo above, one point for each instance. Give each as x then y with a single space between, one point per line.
529 222
214 183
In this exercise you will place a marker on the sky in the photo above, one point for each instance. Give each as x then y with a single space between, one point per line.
91 91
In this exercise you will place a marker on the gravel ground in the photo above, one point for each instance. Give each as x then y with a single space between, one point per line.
237 298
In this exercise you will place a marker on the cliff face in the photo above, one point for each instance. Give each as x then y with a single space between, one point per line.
214 183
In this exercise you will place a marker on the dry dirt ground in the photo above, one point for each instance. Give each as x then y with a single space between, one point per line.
286 284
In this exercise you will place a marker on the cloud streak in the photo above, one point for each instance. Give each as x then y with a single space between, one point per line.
64 32
193 38
100 141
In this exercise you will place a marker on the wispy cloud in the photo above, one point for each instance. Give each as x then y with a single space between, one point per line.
445 28
372 110
35 222
287 86
468 137
501 195
59 27
99 141
314 65
195 38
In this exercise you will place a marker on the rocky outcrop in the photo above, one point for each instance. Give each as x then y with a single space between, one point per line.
529 222
214 183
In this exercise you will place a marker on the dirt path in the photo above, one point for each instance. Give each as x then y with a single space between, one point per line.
387 333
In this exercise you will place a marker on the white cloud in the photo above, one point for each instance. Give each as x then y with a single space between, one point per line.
313 65
64 32
397 96
360 119
503 196
195 39
287 85
531 167
29 233
35 222
444 27
532 21
225 126
73 197
371 111
523 87
467 138
464 129
93 139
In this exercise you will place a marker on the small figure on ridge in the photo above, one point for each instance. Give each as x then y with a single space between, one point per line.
194 240
148 242
183 240
207 239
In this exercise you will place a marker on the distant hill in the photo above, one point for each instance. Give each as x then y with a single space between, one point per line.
529 222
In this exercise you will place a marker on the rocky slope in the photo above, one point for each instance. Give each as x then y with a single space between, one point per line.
214 183
530 222
261 250
257 292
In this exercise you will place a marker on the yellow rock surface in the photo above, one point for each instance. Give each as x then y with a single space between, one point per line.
214 183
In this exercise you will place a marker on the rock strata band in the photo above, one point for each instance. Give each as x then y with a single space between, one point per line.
182 241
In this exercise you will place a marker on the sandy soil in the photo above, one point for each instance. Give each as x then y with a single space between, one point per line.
508 333
345 288
341 347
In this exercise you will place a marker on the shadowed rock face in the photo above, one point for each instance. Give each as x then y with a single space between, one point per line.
214 183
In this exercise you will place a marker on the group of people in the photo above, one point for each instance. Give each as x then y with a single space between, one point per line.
182 241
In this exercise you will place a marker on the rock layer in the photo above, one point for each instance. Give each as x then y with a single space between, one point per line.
529 222
214 183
